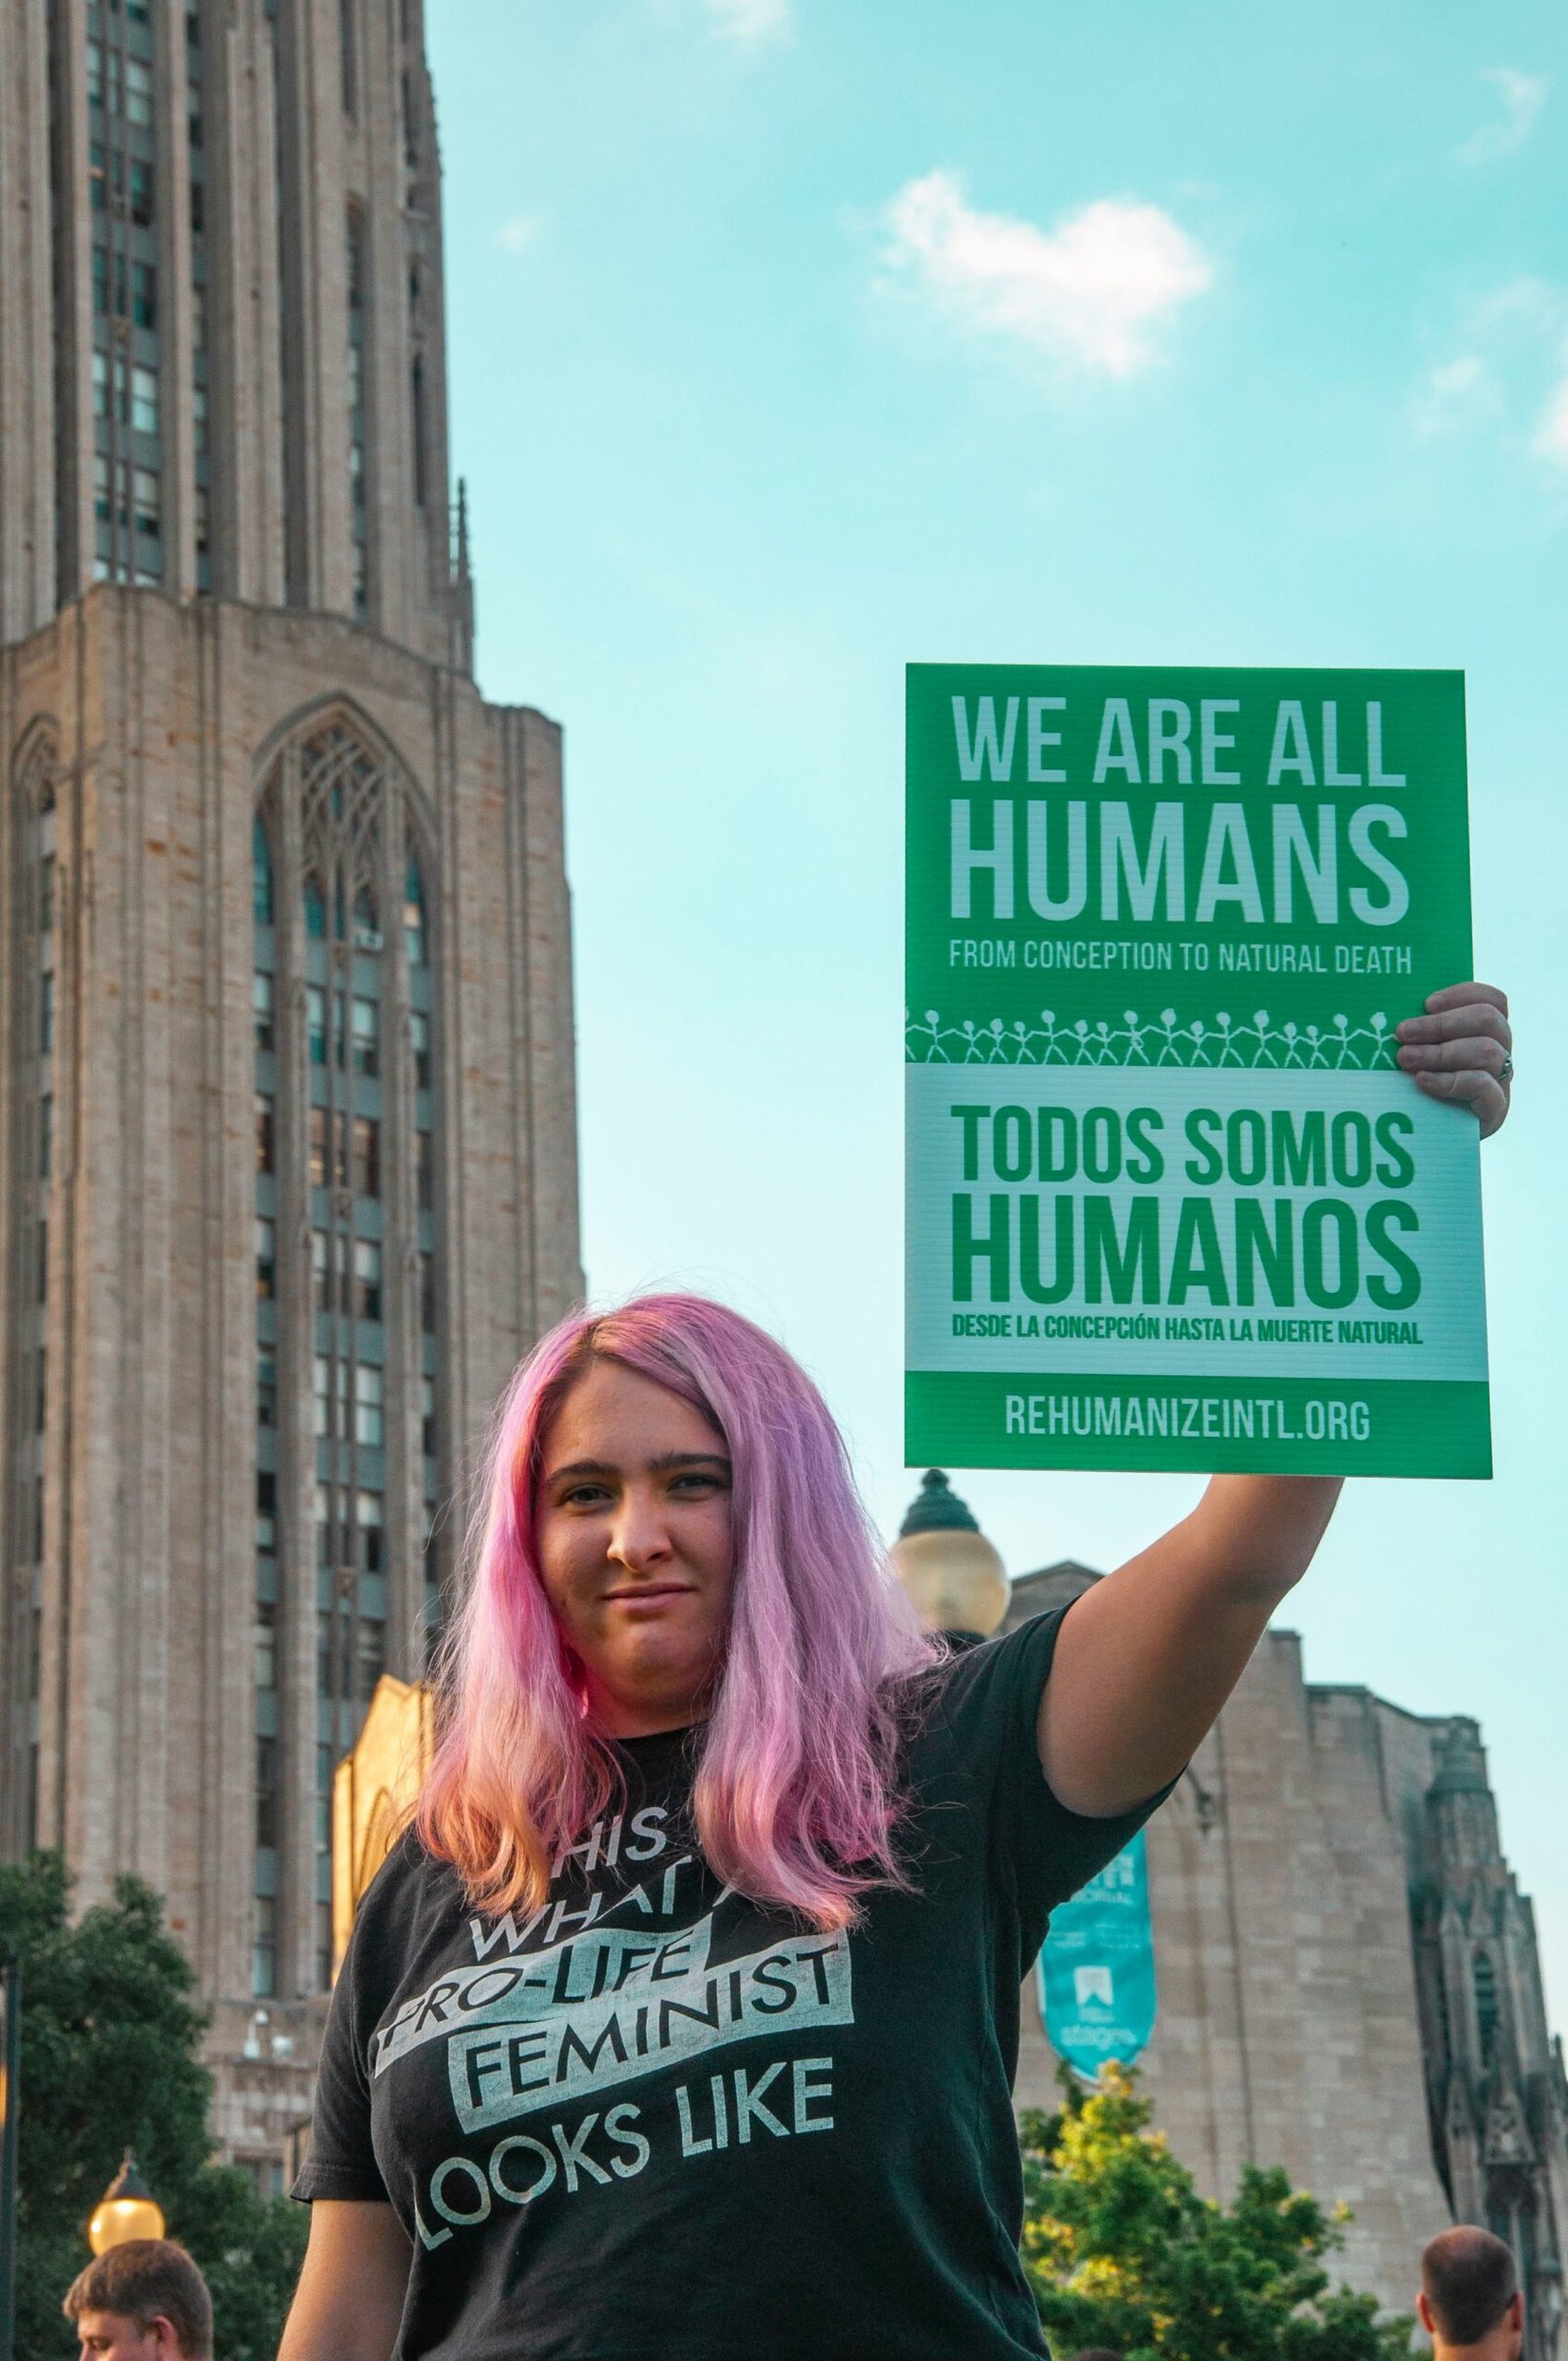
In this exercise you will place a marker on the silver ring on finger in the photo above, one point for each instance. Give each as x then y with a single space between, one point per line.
1505 1071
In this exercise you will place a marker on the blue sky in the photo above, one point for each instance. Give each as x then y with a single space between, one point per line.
793 341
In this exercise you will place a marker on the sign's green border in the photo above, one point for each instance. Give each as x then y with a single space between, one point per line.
960 1418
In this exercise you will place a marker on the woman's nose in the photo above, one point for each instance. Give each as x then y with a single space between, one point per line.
641 1533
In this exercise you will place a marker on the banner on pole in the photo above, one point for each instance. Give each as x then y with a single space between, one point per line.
1170 1201
1097 1971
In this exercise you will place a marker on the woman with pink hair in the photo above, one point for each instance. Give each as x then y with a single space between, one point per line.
681 2024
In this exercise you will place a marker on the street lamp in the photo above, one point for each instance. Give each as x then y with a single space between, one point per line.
954 1578
128 2209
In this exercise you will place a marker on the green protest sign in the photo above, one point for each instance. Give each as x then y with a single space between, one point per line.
1095 1973
1170 1201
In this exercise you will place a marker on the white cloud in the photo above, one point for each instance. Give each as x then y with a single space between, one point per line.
1520 307
1551 434
518 232
1457 394
1089 290
1514 368
1523 96
751 23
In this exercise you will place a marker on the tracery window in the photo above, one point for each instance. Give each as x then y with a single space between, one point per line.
351 1153
262 874
200 391
359 429
265 1009
413 914
128 454
1484 1982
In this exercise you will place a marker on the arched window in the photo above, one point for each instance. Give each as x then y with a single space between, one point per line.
260 873
348 46
413 913
37 762
1484 1982
346 1154
417 401
358 298
34 807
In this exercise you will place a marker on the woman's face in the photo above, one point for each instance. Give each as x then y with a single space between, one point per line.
635 1547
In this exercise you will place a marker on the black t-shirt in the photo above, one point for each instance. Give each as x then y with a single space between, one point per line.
656 2123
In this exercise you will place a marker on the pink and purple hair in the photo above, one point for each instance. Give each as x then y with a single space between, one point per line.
794 1795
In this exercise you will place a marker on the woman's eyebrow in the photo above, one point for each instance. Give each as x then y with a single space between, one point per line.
665 1463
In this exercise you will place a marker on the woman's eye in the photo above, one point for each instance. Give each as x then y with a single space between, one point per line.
584 1495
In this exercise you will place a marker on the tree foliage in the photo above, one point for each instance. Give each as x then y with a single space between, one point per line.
110 2058
1122 2251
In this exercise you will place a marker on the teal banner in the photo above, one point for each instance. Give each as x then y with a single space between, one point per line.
1096 1972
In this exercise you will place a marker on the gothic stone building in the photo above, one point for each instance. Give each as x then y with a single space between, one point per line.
1349 1981
287 1131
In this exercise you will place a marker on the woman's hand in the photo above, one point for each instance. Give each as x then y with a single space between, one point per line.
1462 1049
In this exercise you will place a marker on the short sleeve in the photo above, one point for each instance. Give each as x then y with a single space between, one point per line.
341 2161
1039 1849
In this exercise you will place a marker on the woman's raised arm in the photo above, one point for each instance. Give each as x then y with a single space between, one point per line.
349 2302
1148 1657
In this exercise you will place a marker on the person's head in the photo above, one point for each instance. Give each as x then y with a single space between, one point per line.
142 2300
1470 2302
668 1534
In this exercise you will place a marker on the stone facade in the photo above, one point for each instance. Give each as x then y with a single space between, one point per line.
222 336
287 1120
1347 1976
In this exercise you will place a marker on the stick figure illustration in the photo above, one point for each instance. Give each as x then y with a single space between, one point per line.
1229 1053
1295 1047
1201 1045
1342 1026
1137 1055
1083 1055
924 1037
1264 1038
1317 1047
1368 1040
1168 1048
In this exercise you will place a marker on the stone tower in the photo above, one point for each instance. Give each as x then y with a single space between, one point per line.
287 1125
1496 2085
1348 1977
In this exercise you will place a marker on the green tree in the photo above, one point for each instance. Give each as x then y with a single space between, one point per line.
109 2057
1122 2251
